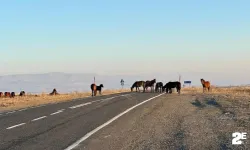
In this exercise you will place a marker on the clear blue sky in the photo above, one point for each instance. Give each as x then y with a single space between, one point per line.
124 36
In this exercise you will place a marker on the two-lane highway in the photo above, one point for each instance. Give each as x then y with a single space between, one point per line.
59 126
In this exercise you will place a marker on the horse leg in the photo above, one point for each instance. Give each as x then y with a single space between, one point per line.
92 93
210 90
178 90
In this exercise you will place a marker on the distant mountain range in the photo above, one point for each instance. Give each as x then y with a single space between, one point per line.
66 82
63 82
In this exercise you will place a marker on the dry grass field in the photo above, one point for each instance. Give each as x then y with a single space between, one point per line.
240 90
35 100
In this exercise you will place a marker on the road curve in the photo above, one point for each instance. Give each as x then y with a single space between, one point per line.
58 126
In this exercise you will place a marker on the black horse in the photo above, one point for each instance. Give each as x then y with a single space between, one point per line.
54 92
22 93
168 86
95 88
158 87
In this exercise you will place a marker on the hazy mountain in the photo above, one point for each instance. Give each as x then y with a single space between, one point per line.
63 82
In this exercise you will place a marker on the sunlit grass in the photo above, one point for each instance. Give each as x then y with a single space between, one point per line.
44 98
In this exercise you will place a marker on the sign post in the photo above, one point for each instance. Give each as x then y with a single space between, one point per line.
122 83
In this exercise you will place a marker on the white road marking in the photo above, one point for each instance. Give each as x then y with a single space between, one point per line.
107 123
15 126
106 99
23 109
59 111
84 104
10 112
39 118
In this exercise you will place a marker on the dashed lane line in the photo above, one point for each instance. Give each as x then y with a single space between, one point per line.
50 104
59 111
15 126
39 118
80 105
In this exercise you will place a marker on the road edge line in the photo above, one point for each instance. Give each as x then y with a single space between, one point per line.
86 136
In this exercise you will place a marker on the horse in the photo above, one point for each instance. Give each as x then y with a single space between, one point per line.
205 85
95 88
22 93
12 94
150 84
158 87
7 94
54 92
168 86
1 94
137 85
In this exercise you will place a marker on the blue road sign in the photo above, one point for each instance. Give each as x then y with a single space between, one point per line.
187 82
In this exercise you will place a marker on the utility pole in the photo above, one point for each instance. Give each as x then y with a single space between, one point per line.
94 80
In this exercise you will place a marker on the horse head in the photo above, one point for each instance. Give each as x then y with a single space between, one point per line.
54 90
101 85
202 81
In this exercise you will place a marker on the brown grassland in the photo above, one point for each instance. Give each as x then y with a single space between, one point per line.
30 100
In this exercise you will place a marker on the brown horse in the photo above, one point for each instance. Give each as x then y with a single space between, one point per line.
1 94
150 84
95 88
7 94
54 92
137 85
205 85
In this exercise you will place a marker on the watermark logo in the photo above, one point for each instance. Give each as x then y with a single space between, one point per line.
238 137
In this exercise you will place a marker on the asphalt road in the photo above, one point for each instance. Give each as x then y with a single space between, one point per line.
57 126
173 122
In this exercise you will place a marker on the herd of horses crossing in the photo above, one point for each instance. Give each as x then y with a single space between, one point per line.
166 88
155 87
